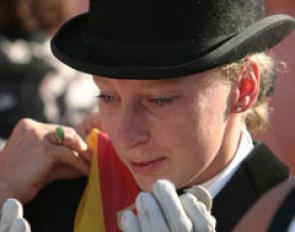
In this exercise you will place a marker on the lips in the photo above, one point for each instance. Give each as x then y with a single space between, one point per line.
146 167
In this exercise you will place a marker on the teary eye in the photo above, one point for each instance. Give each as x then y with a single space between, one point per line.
107 98
162 101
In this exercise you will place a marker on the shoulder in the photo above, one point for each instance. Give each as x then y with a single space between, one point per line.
54 208
264 168
261 215
258 173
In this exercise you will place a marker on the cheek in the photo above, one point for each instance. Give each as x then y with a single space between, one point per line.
213 107
187 144
107 123
208 122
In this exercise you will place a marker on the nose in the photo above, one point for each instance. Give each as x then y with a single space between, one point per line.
133 127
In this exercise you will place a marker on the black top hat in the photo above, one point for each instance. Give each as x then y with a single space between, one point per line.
157 39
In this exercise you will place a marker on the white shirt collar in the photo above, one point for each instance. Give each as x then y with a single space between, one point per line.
215 184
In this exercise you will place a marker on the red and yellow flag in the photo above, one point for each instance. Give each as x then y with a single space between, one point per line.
110 188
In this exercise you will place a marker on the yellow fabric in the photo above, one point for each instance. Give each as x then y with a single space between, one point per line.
89 217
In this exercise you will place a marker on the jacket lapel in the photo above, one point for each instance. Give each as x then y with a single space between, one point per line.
259 172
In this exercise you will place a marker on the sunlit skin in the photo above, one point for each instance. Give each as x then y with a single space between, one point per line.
182 129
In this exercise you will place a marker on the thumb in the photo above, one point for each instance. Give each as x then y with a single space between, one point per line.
201 194
20 225
11 210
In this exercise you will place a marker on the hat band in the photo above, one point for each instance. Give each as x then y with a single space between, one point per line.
150 54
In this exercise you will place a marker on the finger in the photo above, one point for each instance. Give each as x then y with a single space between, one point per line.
149 213
129 222
66 171
71 139
62 155
11 210
86 155
75 142
170 203
201 218
201 194
20 225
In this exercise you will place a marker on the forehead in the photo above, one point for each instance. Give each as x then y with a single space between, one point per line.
195 80
99 80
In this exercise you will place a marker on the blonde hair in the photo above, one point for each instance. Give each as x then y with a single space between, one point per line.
257 117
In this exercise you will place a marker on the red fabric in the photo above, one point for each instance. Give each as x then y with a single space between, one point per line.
119 189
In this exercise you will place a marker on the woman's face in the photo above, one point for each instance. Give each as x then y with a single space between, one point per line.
172 129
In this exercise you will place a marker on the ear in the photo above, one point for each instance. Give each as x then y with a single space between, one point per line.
248 86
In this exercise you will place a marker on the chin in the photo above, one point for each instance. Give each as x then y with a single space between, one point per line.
146 185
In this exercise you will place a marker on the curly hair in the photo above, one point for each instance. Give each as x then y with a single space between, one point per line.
257 117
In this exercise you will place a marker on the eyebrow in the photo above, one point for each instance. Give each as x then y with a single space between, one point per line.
148 83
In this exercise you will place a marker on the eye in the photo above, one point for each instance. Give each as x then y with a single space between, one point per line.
162 101
107 98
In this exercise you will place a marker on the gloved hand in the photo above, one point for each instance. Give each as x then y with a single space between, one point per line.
12 217
164 211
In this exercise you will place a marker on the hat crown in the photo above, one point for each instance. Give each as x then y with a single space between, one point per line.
171 20
159 39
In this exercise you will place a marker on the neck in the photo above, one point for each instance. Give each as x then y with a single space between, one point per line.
227 151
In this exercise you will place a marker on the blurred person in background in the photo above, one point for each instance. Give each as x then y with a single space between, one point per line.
21 70
64 102
28 71
273 212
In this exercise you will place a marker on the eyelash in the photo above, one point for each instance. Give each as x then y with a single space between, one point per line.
159 101
107 98
162 101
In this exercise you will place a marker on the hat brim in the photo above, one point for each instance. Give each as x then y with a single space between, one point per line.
72 45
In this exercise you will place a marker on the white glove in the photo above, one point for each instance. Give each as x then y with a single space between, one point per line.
12 217
164 211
